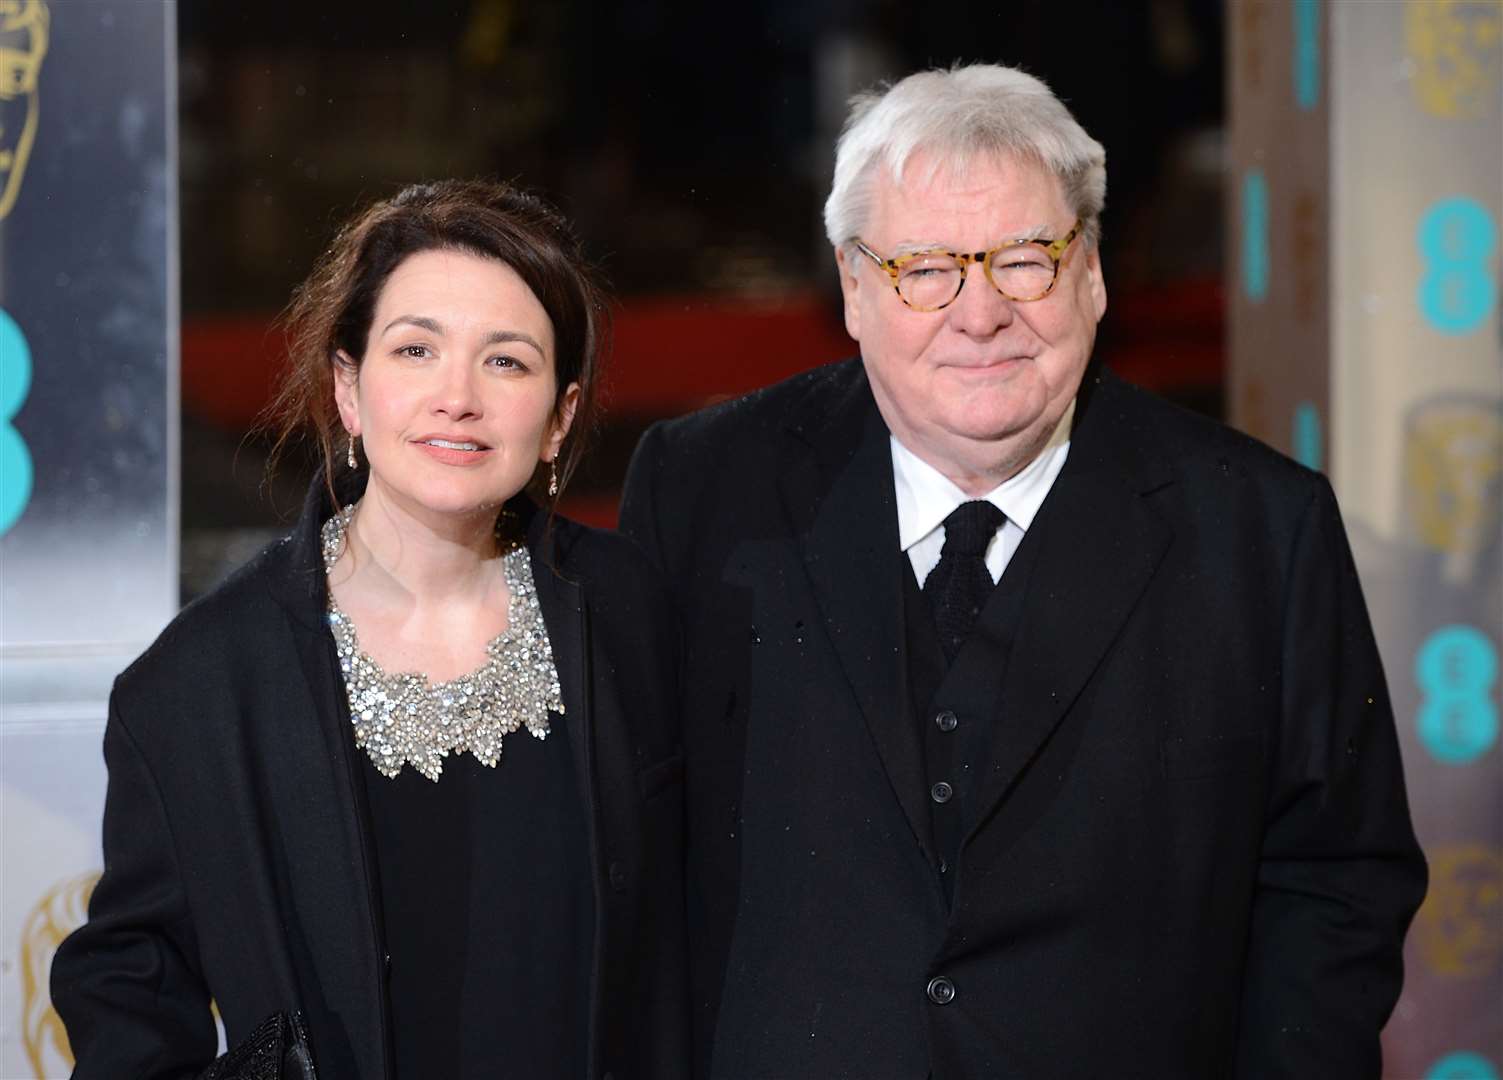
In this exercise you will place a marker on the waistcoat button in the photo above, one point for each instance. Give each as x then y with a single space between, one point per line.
941 990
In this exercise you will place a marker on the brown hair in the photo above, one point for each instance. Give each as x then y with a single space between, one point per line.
332 310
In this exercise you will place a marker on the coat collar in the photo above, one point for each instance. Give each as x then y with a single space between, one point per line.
837 488
1097 543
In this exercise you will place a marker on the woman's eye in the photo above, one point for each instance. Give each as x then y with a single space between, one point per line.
414 352
507 362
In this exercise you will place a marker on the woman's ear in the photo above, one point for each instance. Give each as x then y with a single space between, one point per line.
347 390
563 420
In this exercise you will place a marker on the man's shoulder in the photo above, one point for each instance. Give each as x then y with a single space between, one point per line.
1193 442
1185 433
755 415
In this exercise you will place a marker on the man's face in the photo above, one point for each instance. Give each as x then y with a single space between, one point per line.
986 376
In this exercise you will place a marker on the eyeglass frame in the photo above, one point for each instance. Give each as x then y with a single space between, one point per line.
894 267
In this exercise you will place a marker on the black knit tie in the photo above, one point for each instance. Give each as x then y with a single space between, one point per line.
958 586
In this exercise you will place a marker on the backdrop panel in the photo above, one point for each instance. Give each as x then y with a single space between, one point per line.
1367 148
88 447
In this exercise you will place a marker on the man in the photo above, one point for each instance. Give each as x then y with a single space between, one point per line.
1034 727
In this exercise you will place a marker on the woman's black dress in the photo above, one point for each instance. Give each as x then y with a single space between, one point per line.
488 912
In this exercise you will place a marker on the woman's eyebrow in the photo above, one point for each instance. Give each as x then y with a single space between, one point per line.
501 337
433 326
422 322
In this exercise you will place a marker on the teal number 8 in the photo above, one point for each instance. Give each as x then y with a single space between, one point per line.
1462 1065
1455 669
15 459
1457 237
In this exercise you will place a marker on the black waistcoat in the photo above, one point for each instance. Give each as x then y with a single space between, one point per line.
957 706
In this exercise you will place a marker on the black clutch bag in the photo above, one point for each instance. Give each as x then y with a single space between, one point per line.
277 1050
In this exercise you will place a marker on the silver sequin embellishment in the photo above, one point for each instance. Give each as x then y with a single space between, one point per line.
404 719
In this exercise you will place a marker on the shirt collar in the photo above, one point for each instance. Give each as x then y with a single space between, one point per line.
926 496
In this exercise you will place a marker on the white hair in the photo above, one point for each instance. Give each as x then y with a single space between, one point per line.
956 116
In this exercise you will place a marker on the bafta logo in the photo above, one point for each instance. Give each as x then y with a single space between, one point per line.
1457 47
1453 473
23 44
1459 930
60 911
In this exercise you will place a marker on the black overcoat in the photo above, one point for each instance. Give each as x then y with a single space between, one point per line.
1192 855
237 857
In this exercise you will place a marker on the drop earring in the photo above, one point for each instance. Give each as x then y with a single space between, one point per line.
553 479
349 454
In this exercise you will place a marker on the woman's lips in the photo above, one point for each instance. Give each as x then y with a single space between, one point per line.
454 451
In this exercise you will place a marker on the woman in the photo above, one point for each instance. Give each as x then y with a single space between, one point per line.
414 772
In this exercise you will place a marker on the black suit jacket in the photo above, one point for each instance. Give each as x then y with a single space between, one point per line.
236 843
1191 854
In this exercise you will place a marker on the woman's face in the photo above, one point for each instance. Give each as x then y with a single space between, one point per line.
454 399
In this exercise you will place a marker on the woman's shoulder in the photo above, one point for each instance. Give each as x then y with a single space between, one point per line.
609 565
598 553
224 626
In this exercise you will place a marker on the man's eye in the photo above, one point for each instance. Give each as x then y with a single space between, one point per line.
929 267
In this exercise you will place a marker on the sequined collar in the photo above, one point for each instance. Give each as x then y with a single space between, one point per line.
403 719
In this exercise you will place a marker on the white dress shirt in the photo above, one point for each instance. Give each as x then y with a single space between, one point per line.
926 497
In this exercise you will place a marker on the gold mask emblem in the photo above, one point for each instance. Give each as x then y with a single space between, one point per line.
1457 50
23 44
1453 465
1459 930
60 911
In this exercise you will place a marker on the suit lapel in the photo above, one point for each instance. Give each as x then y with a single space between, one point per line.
837 490
1097 545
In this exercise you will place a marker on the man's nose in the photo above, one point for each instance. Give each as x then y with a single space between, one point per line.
980 310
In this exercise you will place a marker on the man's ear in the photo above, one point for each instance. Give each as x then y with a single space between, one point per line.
563 420
346 390
850 285
1096 281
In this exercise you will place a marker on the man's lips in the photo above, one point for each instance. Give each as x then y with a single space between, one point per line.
983 366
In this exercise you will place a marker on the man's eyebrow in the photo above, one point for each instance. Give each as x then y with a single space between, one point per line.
911 247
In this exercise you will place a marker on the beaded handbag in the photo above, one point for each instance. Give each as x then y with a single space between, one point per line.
277 1050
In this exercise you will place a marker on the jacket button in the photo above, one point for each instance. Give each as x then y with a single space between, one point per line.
617 875
941 792
946 720
941 990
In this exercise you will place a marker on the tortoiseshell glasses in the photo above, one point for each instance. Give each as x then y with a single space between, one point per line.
1021 270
